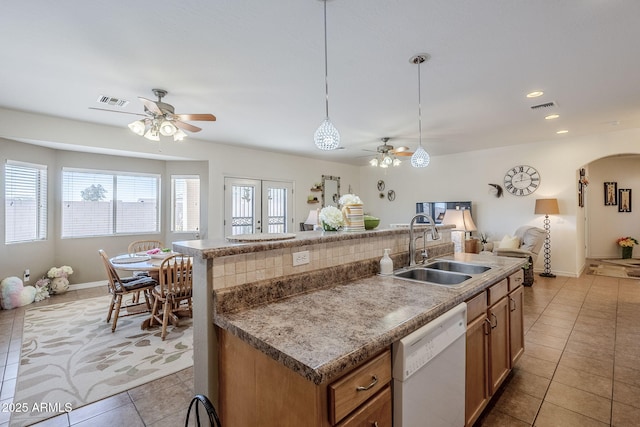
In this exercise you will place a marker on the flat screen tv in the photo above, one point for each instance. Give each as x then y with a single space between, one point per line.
436 210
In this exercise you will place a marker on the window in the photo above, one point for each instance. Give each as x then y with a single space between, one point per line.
185 203
25 194
100 203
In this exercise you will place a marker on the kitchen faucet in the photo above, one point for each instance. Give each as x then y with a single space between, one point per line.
412 242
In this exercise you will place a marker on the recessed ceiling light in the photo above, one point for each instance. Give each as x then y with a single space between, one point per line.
560 132
535 94
552 116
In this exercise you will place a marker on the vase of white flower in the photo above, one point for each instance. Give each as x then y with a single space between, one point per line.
331 218
59 279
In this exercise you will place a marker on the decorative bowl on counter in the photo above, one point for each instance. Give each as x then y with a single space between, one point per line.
371 222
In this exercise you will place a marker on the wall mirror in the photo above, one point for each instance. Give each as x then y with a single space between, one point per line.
330 190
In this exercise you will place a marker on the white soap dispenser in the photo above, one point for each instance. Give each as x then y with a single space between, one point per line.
386 263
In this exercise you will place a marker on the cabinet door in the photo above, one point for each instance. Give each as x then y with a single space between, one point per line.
477 369
516 324
499 343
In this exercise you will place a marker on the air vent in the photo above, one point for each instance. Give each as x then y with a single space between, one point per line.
114 102
545 105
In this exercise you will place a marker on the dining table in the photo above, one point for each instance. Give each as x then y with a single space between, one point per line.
142 262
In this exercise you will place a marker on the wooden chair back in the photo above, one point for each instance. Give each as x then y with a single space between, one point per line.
114 282
144 245
176 277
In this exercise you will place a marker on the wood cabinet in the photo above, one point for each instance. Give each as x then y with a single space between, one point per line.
495 340
257 390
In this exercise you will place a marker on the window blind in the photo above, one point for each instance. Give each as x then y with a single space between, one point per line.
99 203
185 203
25 202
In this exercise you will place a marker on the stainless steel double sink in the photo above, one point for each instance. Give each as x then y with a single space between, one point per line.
442 272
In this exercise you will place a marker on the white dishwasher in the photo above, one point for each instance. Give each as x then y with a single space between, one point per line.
429 373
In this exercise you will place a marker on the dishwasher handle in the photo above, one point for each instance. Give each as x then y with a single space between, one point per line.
374 381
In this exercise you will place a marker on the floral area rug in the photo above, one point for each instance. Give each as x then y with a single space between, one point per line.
621 268
71 358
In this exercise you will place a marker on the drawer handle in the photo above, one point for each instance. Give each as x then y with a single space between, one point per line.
487 321
375 424
496 319
374 381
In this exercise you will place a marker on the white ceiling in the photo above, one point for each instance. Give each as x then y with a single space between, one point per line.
259 67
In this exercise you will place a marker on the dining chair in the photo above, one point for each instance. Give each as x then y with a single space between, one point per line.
173 295
144 245
120 287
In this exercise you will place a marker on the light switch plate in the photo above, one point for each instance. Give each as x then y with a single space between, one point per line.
300 258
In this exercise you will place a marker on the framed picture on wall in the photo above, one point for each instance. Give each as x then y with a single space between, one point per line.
624 198
610 193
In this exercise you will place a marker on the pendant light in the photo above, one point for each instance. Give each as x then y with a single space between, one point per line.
420 158
326 136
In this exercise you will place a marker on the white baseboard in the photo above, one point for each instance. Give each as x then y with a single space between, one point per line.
87 285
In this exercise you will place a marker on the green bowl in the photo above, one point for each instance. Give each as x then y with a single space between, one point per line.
371 222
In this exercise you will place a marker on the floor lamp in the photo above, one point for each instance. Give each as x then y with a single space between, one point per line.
547 207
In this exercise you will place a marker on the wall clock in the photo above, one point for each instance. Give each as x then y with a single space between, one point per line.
521 180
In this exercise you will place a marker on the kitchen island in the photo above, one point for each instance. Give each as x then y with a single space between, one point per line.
317 323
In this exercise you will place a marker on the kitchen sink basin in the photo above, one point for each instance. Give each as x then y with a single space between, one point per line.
439 277
458 267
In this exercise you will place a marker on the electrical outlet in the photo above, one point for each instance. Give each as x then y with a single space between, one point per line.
300 258
27 276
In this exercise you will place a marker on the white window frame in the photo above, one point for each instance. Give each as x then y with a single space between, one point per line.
185 210
115 200
32 178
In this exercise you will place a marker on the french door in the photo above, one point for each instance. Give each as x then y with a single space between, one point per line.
257 206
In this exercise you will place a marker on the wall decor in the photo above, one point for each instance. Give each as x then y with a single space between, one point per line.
521 180
496 190
624 200
583 181
610 193
380 185
391 195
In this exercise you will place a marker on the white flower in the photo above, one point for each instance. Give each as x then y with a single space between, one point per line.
350 199
63 271
331 216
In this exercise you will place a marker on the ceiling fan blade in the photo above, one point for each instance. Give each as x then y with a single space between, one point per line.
116 111
196 117
151 105
186 126
404 154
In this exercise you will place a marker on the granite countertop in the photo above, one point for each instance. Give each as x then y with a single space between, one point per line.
324 332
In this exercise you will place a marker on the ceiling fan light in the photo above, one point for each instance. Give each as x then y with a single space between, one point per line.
327 136
167 128
387 160
137 127
179 135
152 134
420 159
373 162
396 162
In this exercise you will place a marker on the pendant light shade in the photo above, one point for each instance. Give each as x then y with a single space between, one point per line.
420 158
327 136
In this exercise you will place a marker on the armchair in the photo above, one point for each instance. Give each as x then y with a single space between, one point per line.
530 242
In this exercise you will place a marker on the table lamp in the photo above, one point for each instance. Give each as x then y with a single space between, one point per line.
312 219
462 221
547 207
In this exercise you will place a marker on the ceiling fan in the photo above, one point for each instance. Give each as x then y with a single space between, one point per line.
160 119
388 155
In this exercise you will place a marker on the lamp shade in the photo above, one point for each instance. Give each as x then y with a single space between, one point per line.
312 219
547 207
469 225
461 219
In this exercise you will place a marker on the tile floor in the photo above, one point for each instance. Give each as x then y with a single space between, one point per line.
581 365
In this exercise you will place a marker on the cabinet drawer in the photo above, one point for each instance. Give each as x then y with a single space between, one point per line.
516 279
497 291
350 391
477 306
375 412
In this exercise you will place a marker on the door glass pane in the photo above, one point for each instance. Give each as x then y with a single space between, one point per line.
242 209
276 210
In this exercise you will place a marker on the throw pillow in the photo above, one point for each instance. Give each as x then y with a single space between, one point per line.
15 294
509 242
